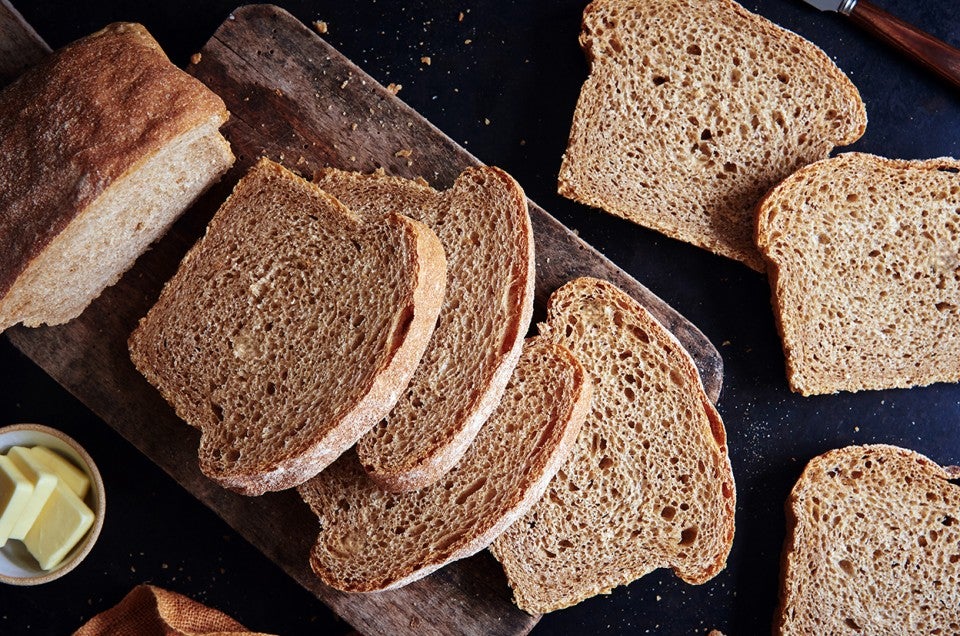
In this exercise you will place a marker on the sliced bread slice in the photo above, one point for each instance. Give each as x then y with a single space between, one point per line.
371 539
484 226
864 261
102 146
692 110
873 545
290 329
649 484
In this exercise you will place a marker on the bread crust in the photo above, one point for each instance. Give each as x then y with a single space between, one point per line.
78 122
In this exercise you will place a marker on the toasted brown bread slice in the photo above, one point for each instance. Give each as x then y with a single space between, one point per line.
692 110
102 146
375 540
483 223
290 329
649 484
873 546
864 260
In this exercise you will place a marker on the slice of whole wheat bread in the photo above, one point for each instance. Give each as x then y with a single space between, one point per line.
863 258
483 223
102 146
873 546
290 329
649 484
692 110
371 539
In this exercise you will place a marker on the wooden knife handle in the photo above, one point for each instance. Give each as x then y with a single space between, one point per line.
936 55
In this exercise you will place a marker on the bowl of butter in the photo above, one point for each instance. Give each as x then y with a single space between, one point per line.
51 504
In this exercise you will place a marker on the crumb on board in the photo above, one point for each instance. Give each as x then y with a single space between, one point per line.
425 60
195 58
393 89
406 152
321 27
460 17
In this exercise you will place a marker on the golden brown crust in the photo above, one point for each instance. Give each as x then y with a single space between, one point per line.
80 120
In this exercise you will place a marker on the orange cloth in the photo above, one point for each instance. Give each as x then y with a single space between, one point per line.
153 611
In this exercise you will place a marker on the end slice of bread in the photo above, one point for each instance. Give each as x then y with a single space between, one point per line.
375 540
649 484
290 329
863 258
484 225
693 110
102 146
873 545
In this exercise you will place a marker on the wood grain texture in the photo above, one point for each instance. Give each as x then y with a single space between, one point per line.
20 46
295 99
934 54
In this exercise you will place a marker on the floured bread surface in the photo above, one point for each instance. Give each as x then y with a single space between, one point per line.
864 260
102 146
873 546
692 110
372 539
290 329
483 223
649 484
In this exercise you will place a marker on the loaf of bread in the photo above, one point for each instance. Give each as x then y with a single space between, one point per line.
693 110
371 539
864 261
290 329
102 146
873 546
649 484
484 226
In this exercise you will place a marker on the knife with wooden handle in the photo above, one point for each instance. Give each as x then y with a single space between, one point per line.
936 55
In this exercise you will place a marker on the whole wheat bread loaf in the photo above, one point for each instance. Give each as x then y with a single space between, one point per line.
873 546
102 146
649 484
290 329
692 110
864 261
483 223
372 539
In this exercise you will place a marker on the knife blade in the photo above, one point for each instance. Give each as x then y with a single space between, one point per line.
936 55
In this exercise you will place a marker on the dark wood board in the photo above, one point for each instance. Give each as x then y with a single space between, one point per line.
296 99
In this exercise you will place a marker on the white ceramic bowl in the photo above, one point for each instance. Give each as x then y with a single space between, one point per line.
17 566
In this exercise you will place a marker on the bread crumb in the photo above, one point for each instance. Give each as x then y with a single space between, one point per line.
195 58
406 152
344 85
393 89
425 60
468 41
486 121
320 26
460 17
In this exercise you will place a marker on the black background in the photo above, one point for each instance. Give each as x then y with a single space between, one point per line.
503 82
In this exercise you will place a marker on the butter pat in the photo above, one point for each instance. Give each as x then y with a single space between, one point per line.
43 482
15 492
61 523
63 468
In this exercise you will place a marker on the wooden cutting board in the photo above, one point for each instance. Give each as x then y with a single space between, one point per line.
297 100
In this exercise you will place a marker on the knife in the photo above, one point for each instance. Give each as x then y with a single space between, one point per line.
936 55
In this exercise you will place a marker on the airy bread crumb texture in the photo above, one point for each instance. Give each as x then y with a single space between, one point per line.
372 539
864 261
290 329
692 110
483 224
649 484
102 146
873 546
